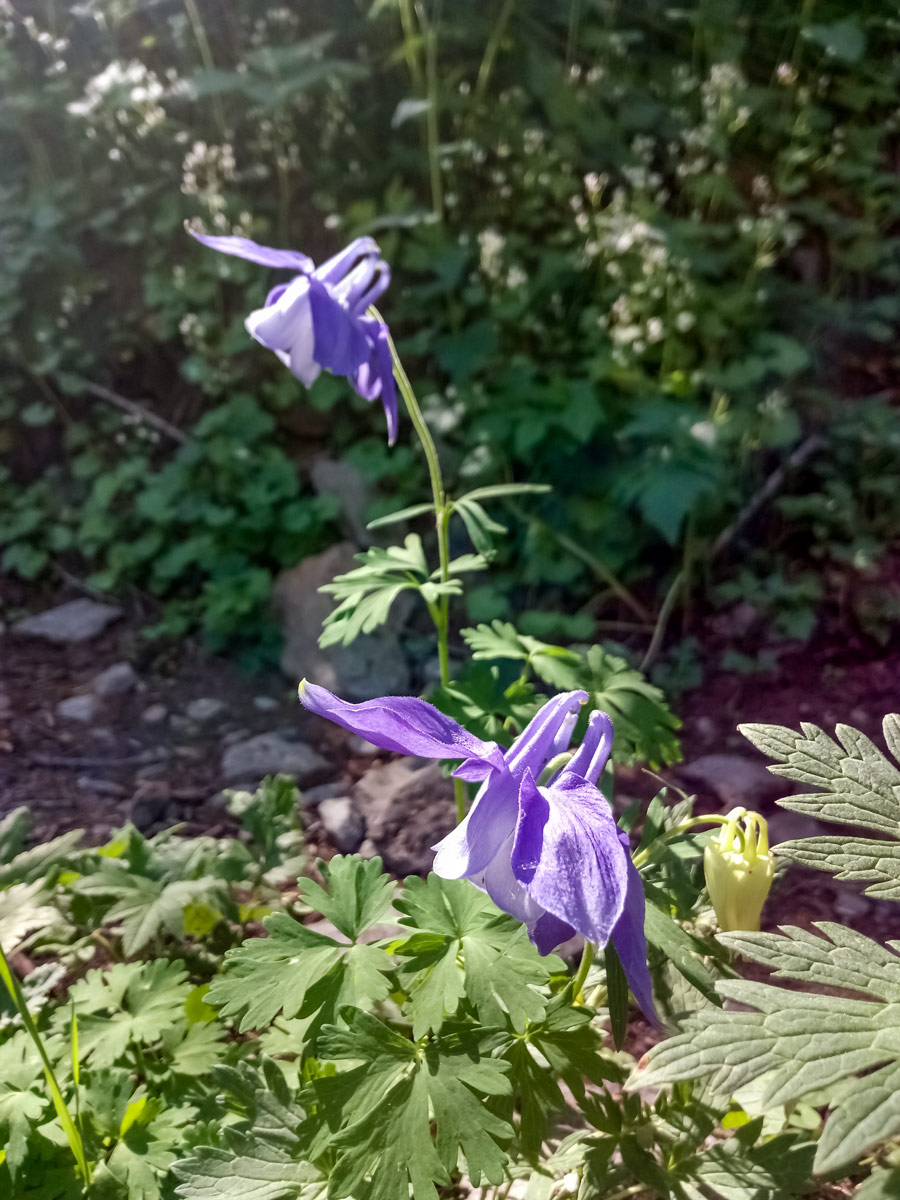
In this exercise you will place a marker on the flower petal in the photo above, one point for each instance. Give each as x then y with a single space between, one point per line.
266 256
341 344
281 323
568 854
548 932
593 754
334 269
546 734
362 286
375 377
468 850
505 890
630 942
403 724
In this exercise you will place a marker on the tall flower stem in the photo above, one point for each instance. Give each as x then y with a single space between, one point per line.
581 974
440 611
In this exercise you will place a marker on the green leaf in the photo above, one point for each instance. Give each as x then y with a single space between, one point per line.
300 972
844 40
357 894
465 947
130 1002
683 951
495 491
803 1043
616 996
480 527
402 514
145 906
645 727
384 1109
23 911
881 1185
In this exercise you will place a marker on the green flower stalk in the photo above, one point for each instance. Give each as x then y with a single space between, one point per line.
739 870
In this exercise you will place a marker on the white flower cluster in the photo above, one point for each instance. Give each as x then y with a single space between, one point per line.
204 172
125 90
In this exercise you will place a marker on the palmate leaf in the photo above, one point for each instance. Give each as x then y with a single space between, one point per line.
130 1002
403 1116
260 1156
147 907
23 911
300 972
800 1043
464 947
858 786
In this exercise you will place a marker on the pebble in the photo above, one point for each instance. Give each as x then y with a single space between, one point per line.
117 680
359 746
207 708
735 779
343 823
269 754
77 621
322 791
181 724
265 703
82 708
155 714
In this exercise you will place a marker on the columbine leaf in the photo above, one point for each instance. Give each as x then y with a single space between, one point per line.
131 1002
367 592
261 1154
356 896
881 1185
480 527
465 947
147 907
300 972
495 491
26 866
23 912
645 728
402 514
799 1043
403 1116
857 784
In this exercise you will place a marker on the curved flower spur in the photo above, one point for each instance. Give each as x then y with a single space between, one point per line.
318 319
549 852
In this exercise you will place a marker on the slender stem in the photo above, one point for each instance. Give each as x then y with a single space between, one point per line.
493 46
705 819
581 974
440 612
206 57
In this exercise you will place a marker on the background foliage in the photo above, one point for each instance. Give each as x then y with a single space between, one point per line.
640 253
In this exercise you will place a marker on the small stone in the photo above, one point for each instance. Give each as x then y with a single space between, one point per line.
859 717
148 804
100 787
322 791
359 746
787 826
706 729
235 735
207 708
343 823
407 808
155 714
367 849
117 680
82 708
180 724
77 621
265 703
269 754
736 780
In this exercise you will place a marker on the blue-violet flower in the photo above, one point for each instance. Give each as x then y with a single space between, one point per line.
318 318
548 853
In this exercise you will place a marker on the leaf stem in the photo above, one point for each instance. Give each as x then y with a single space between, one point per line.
584 966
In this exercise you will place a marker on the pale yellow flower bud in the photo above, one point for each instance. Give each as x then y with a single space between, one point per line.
739 870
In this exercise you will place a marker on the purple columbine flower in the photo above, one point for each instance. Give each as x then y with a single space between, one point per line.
549 854
318 318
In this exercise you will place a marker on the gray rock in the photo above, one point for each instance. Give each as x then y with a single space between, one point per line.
322 791
182 725
735 779
207 708
79 708
407 809
372 666
367 849
361 748
343 481
148 805
155 714
117 680
5 706
269 754
342 823
235 735
265 703
77 621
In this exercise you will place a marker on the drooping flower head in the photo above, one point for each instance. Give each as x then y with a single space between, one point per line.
739 870
318 318
549 853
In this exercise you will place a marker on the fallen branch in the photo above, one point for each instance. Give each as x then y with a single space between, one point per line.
137 410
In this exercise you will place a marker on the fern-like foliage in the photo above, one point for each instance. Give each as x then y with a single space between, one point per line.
841 1050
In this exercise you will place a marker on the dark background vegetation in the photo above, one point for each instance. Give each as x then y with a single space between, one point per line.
643 253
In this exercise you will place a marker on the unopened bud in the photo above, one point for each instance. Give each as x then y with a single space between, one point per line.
739 870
